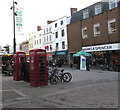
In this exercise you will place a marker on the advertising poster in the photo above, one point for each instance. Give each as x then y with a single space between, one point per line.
82 63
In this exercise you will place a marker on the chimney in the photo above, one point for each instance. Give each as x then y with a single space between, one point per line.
39 28
49 21
73 10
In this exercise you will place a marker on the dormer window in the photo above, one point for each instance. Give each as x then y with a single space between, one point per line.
85 14
112 4
98 9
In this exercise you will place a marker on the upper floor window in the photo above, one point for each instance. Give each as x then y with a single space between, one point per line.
85 14
35 42
111 26
98 9
84 32
50 38
34 36
61 22
40 34
49 29
44 39
57 45
40 41
62 33
96 29
55 24
47 38
56 34
63 45
112 4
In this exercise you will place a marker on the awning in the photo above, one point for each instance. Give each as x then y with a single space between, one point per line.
81 53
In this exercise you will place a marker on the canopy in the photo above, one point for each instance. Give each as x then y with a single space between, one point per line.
81 53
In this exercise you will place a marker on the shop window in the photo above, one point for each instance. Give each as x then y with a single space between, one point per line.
84 33
50 47
96 29
111 26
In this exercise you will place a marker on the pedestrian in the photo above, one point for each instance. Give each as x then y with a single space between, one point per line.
88 64
71 63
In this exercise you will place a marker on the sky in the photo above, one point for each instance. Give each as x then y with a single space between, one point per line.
35 13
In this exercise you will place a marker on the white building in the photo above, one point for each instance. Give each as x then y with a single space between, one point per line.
53 38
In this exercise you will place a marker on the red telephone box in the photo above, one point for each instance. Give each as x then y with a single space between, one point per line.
19 60
38 67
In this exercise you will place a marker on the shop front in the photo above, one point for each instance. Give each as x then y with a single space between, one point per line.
61 56
105 53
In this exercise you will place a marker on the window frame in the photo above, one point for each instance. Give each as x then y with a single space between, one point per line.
63 44
61 22
85 14
84 36
56 34
55 25
62 32
111 2
94 30
98 9
110 31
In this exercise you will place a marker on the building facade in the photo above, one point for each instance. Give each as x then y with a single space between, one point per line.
96 29
52 38
24 46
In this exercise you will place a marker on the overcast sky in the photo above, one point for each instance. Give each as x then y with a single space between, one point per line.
35 13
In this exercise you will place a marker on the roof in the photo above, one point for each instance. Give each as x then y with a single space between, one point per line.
78 16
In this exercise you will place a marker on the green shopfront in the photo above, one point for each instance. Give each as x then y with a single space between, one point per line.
62 56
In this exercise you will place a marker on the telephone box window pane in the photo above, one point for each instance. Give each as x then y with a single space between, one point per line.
32 59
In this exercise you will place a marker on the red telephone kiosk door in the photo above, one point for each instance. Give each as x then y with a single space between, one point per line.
19 59
38 67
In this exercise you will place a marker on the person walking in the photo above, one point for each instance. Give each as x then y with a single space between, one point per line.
88 64
71 63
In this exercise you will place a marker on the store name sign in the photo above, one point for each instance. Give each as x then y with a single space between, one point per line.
105 47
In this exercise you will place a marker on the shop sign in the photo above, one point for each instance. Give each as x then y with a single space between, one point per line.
61 53
105 47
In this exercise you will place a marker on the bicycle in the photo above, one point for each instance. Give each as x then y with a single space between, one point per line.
61 75
52 78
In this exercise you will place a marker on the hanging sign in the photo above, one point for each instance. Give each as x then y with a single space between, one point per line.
19 21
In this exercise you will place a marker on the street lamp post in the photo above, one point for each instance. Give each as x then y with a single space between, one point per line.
14 14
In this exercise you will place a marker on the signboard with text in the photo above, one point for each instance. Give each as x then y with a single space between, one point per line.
105 47
82 63
19 21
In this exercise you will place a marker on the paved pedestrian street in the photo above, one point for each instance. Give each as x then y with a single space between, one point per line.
88 89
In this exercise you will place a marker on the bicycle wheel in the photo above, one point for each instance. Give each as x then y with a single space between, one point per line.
66 77
53 79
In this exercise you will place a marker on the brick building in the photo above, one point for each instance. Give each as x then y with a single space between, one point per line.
96 29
